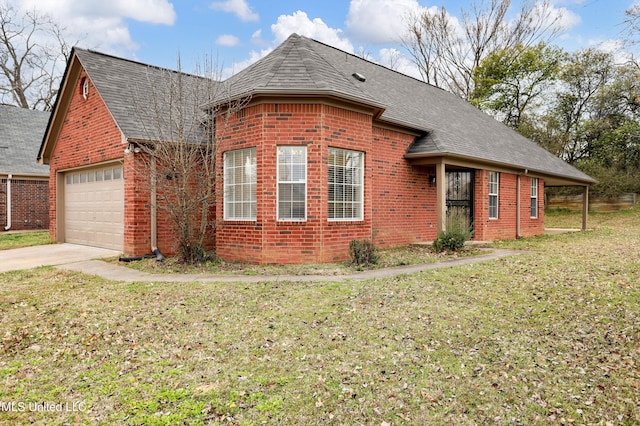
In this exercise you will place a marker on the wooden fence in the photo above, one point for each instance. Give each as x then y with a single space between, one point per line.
598 204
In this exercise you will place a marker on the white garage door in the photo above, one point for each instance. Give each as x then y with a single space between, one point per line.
94 207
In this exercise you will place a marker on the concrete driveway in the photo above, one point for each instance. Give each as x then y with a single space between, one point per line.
50 254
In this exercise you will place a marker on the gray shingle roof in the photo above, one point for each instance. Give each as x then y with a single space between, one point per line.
451 125
141 97
21 132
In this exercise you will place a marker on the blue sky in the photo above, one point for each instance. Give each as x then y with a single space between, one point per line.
238 32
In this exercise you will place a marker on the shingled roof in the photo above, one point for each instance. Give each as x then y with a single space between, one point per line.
141 97
136 94
21 132
451 126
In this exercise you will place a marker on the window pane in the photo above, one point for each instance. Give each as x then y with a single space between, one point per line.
240 184
494 184
292 183
534 198
345 185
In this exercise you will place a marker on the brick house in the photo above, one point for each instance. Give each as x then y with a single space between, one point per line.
328 148
24 184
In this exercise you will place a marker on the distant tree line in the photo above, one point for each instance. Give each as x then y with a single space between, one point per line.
582 106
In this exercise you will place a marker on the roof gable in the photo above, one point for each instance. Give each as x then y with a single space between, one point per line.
21 132
145 101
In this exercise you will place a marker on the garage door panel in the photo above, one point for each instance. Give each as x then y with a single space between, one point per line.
94 208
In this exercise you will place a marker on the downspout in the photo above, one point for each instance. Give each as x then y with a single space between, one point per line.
518 234
154 212
6 228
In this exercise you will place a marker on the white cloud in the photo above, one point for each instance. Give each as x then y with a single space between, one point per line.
151 11
397 61
239 66
240 8
379 21
102 25
565 19
300 23
228 40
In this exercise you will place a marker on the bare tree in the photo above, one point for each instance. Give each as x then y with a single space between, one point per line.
184 115
447 52
32 53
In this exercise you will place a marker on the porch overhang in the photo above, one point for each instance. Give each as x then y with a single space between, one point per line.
441 161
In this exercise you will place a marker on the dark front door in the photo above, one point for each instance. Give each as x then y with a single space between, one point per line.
460 197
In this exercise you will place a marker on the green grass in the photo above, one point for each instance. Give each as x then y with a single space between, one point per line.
546 337
13 240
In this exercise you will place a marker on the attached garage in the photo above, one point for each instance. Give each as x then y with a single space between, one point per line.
94 206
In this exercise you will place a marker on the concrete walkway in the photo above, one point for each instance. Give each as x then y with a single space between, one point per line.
121 273
50 254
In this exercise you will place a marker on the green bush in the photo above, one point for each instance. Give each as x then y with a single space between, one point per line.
457 232
363 252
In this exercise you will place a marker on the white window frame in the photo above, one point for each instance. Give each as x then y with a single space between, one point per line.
357 189
494 194
242 193
286 152
534 198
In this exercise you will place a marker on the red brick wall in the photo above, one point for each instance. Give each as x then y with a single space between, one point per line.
88 136
505 226
404 204
318 127
399 205
528 225
29 204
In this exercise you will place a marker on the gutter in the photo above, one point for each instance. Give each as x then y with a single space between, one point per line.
9 177
154 212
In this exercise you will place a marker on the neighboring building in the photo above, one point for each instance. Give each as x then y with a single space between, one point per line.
24 184
329 148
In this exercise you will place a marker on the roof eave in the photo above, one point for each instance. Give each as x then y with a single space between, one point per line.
305 93
550 178
56 119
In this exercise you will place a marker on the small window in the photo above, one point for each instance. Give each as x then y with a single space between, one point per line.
76 178
68 178
99 176
91 177
107 174
534 198
117 173
83 178
84 87
494 184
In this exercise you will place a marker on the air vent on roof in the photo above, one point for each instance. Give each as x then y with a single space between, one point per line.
358 76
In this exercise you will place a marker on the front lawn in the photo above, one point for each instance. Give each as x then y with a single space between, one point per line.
12 240
550 336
